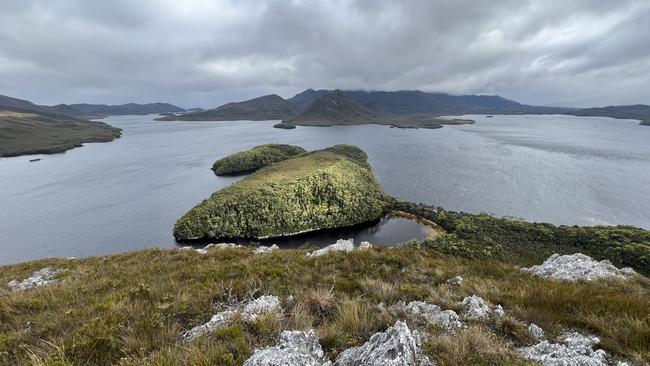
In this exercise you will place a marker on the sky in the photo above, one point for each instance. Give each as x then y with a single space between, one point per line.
207 52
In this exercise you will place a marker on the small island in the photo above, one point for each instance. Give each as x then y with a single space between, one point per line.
285 126
324 189
248 161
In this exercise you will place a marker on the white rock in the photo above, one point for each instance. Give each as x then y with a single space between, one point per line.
261 305
218 320
573 349
498 310
365 245
264 249
341 245
576 267
475 308
201 250
294 348
37 279
536 331
397 346
456 281
447 319
222 246
251 311
185 248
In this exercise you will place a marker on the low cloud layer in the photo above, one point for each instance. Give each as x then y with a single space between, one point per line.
204 52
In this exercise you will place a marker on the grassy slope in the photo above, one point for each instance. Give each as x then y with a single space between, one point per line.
31 133
255 159
130 309
324 189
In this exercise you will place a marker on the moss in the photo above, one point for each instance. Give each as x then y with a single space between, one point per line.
328 188
255 159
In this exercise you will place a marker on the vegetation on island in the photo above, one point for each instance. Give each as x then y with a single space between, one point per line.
132 308
255 159
25 132
328 188
524 243
284 125
337 108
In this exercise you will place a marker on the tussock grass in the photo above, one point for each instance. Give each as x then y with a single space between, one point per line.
131 309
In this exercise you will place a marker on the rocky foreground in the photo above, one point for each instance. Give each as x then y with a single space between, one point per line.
346 304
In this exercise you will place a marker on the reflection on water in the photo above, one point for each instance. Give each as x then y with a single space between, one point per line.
388 231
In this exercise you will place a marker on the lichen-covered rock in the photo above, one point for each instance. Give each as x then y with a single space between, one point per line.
447 319
365 245
456 281
37 279
475 308
294 348
264 249
397 346
536 331
249 312
498 310
341 245
222 246
573 349
577 267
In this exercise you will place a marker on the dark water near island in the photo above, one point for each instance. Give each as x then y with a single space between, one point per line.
127 194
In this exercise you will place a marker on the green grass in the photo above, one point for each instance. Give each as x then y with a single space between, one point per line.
248 161
328 188
130 309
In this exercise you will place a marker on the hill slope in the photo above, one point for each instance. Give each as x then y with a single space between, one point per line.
126 109
26 128
268 107
637 111
337 108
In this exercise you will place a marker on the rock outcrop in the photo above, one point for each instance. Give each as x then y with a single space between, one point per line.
249 312
222 246
537 332
433 314
475 308
573 349
264 249
37 279
456 281
295 348
341 245
577 267
397 346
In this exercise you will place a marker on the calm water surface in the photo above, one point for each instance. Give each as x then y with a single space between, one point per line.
127 194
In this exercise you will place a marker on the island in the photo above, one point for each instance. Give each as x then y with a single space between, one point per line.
258 157
336 108
25 132
327 188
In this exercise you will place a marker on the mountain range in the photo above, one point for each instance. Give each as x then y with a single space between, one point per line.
397 103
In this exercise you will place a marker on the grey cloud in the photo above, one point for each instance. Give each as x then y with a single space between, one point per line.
201 52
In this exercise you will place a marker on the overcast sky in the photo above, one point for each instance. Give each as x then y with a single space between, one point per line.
206 52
